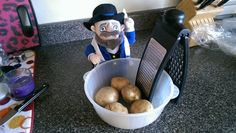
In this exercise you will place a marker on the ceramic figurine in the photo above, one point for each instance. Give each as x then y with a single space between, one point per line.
114 33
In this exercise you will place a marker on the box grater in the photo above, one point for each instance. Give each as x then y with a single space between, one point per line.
166 50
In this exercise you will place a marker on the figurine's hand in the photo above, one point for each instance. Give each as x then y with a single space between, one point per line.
95 58
129 24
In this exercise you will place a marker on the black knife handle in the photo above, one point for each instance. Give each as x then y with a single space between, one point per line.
26 102
222 2
205 4
198 2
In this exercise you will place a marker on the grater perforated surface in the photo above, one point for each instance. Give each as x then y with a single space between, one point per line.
149 65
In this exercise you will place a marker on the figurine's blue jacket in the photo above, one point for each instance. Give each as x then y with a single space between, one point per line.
131 38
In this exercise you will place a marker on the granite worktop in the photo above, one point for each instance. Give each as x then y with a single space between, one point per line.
208 103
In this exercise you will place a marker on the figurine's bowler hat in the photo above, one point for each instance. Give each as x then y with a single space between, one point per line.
104 12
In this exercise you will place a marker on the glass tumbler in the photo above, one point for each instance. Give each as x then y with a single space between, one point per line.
21 83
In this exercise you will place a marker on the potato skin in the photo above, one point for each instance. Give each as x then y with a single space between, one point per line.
117 107
106 95
140 106
131 93
119 82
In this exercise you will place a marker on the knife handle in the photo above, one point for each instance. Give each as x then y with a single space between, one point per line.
26 102
222 2
198 2
205 4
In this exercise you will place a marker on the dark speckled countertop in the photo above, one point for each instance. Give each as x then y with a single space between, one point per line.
208 103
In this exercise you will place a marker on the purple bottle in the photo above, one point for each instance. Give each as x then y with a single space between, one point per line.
21 83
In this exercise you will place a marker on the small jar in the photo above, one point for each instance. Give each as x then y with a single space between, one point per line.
20 82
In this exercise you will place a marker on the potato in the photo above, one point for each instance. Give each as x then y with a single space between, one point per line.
119 82
117 107
106 95
130 93
140 106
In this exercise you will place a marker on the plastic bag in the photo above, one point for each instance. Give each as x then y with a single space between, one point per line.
220 35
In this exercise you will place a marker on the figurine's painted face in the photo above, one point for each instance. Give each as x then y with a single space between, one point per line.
107 29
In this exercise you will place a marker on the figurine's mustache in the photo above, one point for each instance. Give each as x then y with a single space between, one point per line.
107 34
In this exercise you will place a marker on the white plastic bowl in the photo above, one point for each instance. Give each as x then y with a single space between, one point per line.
101 76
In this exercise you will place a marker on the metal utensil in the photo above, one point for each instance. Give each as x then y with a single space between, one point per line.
205 4
25 103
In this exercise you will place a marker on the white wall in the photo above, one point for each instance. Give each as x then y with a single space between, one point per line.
48 11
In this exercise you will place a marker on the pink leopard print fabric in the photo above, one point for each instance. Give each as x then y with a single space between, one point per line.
12 36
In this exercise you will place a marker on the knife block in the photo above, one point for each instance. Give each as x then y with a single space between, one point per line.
195 18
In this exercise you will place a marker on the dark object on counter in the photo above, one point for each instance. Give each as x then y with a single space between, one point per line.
174 38
198 2
6 69
18 56
26 102
221 3
205 4
174 16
